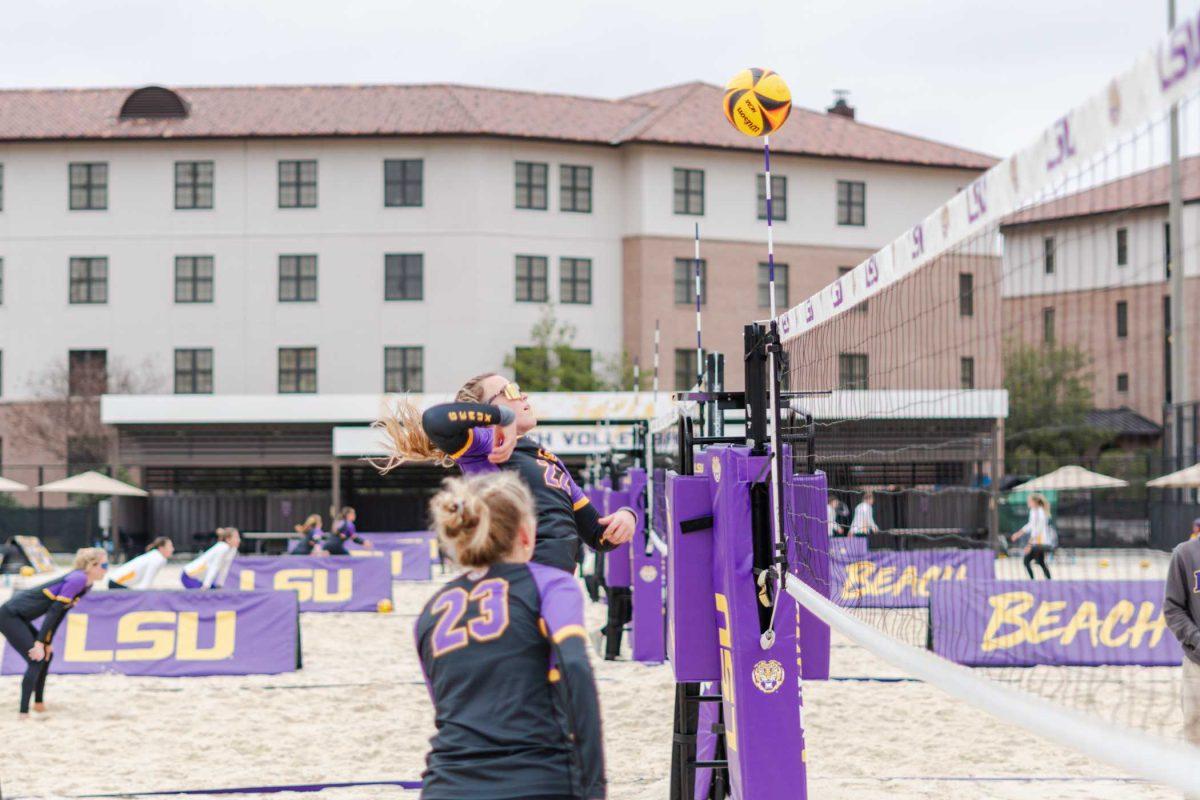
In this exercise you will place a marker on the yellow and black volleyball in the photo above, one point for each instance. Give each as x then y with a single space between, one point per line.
757 101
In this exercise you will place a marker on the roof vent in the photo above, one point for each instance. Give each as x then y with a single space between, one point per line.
840 106
153 102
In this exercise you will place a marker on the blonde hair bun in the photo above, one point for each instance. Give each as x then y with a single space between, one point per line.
477 518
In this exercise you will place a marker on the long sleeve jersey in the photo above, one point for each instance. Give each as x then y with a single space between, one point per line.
504 654
564 513
864 519
139 573
212 566
53 600
1181 606
343 532
1038 526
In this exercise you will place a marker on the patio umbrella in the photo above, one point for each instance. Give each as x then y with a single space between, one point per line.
12 486
93 483
1188 478
1074 479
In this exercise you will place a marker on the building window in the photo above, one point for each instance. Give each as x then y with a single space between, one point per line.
852 371
404 369
403 182
685 368
851 203
297 370
531 185
1123 382
193 279
685 281
1048 255
1122 319
781 285
531 279
778 197
297 279
87 373
1048 325
297 184
531 365
1167 248
575 280
89 186
404 276
966 372
193 184
860 307
89 280
575 188
194 371
689 191
966 294
1122 247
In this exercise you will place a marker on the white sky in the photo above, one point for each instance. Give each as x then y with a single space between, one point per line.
984 75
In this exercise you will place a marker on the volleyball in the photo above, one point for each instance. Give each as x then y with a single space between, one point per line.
26 571
757 101
384 606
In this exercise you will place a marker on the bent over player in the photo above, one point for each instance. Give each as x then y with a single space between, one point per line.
51 601
504 653
485 431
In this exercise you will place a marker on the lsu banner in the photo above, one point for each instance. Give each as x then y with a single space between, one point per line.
901 579
1026 623
388 540
175 634
323 583
409 561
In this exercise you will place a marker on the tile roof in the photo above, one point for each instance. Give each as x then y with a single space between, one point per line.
1148 189
1124 421
688 114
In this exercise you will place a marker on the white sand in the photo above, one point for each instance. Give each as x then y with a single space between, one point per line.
366 716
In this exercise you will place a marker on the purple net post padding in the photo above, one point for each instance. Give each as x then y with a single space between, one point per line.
806 507
618 562
706 739
408 561
323 583
393 539
902 579
1065 623
174 634
761 688
692 631
649 624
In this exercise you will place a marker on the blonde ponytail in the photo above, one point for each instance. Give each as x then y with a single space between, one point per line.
477 518
405 436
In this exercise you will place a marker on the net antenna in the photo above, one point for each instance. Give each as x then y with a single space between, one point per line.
697 290
654 385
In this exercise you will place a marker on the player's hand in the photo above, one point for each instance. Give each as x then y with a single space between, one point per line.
37 652
367 543
618 527
505 442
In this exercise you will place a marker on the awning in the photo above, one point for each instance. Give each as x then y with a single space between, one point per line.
1070 478
93 483
12 486
1188 478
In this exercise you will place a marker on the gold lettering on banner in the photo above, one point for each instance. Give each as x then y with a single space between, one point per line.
1125 624
76 647
866 579
728 684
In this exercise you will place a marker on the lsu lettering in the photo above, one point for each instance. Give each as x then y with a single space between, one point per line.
1015 614
310 584
728 685
397 559
865 579
154 636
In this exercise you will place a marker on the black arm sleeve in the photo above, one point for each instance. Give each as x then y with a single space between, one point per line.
587 523
51 621
449 424
583 714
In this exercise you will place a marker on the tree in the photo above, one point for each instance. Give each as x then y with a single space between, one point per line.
1048 399
62 415
551 363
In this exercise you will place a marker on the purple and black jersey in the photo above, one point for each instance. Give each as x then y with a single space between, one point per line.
564 514
53 600
504 653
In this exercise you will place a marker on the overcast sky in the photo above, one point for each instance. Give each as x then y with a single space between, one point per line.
984 75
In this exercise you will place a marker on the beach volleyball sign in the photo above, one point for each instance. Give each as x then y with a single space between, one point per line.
901 579
175 634
322 583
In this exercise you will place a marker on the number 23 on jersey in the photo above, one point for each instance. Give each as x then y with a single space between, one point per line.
450 634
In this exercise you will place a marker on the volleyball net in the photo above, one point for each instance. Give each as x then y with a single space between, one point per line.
1022 339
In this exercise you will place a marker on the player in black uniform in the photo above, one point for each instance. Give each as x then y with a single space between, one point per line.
344 531
52 600
485 431
504 652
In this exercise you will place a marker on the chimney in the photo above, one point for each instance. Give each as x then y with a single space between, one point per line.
840 106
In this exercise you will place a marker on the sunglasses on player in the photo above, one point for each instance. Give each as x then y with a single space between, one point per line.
511 391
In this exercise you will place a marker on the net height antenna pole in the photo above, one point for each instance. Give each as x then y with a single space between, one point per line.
699 341
1180 388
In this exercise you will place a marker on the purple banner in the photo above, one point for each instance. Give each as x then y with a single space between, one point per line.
323 583
901 579
855 546
409 561
1026 623
175 634
395 539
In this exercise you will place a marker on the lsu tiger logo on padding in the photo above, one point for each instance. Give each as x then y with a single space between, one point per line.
767 676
